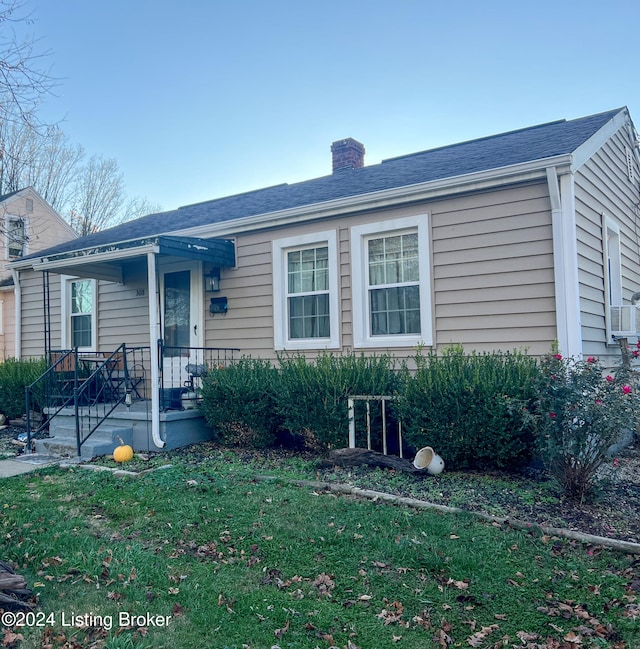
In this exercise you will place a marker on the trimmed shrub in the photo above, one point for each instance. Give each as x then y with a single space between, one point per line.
312 395
473 409
239 403
15 375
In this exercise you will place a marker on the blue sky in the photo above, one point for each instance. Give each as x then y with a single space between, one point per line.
199 99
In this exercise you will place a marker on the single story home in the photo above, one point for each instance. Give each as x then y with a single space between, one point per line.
511 241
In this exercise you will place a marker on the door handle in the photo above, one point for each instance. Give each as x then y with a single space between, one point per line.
195 330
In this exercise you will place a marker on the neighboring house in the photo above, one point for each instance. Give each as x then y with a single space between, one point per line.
27 225
512 241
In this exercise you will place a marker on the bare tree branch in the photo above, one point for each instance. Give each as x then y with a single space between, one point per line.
24 79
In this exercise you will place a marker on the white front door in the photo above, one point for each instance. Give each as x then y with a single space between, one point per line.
182 323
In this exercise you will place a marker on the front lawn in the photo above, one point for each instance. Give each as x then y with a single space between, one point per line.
200 555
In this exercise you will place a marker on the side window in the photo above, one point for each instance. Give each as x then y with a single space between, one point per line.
614 263
391 283
305 291
16 236
79 315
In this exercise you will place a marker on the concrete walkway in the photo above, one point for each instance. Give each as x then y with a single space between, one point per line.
25 464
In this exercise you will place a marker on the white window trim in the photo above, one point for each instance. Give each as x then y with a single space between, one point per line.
359 273
65 329
280 307
25 244
1 317
613 271
613 252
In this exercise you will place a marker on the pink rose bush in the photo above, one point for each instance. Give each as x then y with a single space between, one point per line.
582 412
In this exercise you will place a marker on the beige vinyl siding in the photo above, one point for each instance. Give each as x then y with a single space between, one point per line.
122 316
492 267
32 311
248 324
602 187
493 271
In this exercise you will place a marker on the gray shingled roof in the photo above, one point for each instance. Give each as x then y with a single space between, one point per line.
503 150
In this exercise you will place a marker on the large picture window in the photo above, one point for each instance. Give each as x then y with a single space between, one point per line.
391 283
305 292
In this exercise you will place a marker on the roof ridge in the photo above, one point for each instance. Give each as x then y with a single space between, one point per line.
498 135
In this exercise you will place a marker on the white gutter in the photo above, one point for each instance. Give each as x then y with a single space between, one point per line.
565 263
17 292
154 336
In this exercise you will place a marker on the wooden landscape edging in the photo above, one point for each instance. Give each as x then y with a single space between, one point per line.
346 489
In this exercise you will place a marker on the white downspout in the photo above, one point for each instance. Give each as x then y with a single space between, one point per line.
17 292
154 336
565 263
572 274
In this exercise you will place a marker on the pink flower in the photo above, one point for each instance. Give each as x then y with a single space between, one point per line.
591 359
635 353
609 378
598 402
552 415
558 357
626 389
616 462
638 344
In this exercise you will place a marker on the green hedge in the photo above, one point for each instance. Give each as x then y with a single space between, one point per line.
474 409
253 402
14 377
240 403
312 395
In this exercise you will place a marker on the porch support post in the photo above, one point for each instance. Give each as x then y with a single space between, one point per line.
17 292
154 336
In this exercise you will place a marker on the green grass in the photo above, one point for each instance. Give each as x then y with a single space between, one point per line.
237 563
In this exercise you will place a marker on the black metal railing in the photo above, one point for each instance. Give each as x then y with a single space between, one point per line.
94 384
50 391
182 370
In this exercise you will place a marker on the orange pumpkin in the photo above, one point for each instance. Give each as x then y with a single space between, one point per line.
122 453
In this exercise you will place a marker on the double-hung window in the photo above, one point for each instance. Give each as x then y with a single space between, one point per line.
79 319
391 283
306 292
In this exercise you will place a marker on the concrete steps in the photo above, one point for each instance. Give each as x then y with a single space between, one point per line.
63 443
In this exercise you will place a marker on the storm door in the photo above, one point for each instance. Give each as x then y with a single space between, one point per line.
181 292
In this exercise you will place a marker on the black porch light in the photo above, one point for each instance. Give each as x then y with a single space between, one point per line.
212 281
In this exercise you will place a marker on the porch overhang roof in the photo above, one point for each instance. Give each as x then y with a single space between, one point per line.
105 261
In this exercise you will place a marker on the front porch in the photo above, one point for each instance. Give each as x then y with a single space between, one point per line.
130 423
150 294
91 402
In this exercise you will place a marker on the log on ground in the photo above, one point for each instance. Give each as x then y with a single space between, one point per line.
14 593
366 457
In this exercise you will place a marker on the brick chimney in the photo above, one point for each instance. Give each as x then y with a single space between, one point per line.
347 153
